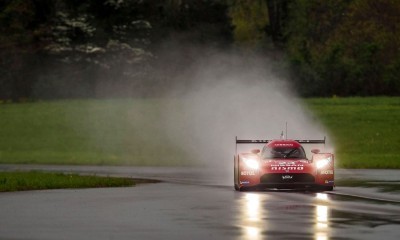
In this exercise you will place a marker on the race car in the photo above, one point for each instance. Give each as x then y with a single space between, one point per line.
283 164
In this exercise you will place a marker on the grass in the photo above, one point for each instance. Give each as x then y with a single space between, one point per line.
384 186
365 130
22 181
130 132
86 132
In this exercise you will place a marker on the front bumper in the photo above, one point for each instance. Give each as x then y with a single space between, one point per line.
284 181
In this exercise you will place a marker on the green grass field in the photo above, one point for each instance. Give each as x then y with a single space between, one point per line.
365 130
85 132
129 132
22 181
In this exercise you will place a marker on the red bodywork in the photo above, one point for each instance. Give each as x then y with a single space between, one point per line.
270 168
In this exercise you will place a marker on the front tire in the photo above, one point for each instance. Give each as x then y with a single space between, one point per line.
327 188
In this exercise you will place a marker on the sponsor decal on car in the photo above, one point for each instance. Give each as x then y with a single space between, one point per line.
286 164
283 145
327 172
244 182
287 168
247 173
284 177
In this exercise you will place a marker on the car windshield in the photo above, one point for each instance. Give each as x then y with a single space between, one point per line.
282 152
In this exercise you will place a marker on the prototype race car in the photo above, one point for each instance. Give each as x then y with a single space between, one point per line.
282 164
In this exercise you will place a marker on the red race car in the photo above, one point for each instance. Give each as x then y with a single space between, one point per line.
282 164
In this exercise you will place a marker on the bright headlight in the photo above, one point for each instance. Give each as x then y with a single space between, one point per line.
251 163
322 163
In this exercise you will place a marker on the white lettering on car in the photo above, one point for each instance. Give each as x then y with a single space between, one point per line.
274 168
283 144
247 173
327 172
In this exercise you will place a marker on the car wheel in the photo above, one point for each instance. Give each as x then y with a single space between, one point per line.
245 189
328 188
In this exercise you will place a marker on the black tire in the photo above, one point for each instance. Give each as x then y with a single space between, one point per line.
247 189
328 188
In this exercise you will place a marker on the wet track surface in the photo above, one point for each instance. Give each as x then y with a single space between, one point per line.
192 204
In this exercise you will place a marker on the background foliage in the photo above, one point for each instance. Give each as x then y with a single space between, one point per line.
345 47
70 48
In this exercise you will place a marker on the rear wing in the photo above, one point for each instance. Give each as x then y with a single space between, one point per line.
303 141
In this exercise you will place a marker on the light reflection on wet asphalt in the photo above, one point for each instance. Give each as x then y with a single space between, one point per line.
191 206
262 217
318 217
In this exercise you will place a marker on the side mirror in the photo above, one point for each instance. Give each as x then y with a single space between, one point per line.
315 151
255 151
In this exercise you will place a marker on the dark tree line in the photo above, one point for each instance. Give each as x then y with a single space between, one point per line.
71 48
345 47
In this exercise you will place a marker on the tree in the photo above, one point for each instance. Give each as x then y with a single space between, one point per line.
278 14
344 47
370 39
103 43
249 19
21 25
66 48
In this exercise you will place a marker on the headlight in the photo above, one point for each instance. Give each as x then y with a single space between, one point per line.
323 162
251 163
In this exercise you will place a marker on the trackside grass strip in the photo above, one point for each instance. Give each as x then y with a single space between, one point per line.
383 186
22 181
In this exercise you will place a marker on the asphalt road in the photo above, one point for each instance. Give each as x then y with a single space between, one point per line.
190 204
